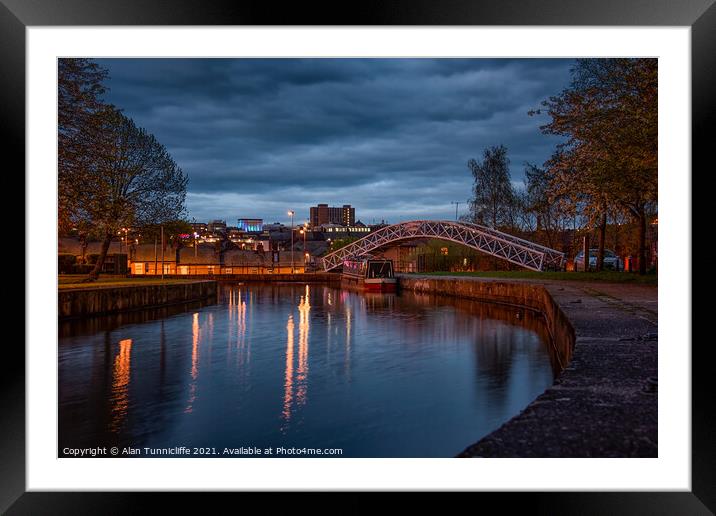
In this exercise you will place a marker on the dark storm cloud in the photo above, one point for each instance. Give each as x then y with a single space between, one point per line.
390 136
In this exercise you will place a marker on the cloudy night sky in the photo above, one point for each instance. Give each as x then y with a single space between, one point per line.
391 137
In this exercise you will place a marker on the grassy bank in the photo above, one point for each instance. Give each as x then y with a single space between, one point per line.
74 281
604 276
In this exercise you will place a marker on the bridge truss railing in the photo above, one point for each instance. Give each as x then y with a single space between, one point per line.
502 245
552 258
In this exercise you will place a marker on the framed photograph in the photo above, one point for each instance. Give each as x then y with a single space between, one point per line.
424 248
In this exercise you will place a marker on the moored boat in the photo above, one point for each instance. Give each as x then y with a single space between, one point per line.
369 274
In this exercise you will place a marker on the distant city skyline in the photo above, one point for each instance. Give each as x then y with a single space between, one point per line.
391 137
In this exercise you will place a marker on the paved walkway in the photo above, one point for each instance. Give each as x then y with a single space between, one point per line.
604 404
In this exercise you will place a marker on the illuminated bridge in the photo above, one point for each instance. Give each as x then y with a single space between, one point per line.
489 241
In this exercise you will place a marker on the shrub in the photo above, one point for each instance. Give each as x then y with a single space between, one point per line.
65 263
82 268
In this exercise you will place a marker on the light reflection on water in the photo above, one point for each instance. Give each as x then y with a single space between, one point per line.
120 384
379 375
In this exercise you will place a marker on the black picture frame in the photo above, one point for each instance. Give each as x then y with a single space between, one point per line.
17 15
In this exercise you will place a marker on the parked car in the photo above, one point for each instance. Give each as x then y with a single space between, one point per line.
611 260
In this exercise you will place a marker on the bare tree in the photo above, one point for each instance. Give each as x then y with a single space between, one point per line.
550 217
493 198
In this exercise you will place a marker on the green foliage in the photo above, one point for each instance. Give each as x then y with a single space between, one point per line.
441 255
113 174
338 243
82 268
132 180
65 263
79 99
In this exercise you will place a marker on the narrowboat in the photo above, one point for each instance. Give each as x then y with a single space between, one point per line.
369 275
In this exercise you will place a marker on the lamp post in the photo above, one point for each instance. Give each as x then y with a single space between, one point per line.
121 240
83 243
456 203
126 245
162 232
291 213
304 232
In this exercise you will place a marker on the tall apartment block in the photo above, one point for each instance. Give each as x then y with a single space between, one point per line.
324 214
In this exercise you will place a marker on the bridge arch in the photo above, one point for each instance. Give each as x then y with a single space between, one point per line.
489 241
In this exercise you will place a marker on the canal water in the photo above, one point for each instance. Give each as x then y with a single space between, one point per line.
301 367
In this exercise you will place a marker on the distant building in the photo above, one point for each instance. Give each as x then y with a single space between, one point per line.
324 214
217 226
207 260
79 256
199 227
149 259
276 226
375 227
251 225
403 255
338 230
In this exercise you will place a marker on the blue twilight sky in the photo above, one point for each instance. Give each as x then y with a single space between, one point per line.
391 137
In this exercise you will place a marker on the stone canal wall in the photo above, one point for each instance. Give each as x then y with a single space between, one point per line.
527 295
107 300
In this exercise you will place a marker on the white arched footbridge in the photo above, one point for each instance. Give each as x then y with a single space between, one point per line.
489 241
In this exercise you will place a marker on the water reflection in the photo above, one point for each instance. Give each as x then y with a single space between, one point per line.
195 336
241 326
378 375
347 353
288 383
301 376
120 384
304 309
236 335
162 356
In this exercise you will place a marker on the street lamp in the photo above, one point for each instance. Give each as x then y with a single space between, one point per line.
161 229
304 232
121 240
291 213
126 241
456 203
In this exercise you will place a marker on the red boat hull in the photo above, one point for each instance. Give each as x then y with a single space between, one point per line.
379 287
